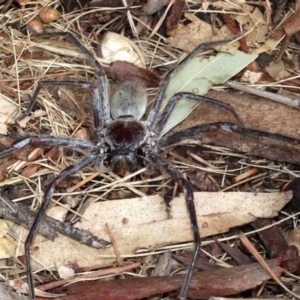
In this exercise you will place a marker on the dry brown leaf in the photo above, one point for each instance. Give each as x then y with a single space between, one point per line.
293 237
7 110
277 70
222 34
190 36
255 22
123 70
8 247
143 223
7 293
151 7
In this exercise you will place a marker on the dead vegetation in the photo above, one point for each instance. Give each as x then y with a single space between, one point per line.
148 240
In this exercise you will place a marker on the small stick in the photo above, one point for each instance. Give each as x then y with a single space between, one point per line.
200 160
271 96
246 174
115 246
92 275
82 182
25 217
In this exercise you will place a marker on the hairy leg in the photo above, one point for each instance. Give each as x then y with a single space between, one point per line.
165 81
158 127
71 170
37 141
168 168
103 105
189 133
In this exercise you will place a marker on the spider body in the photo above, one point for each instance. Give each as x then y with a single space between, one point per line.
126 134
124 139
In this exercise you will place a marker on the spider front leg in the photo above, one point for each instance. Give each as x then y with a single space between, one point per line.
164 83
165 166
71 170
158 127
37 141
177 137
103 107
98 113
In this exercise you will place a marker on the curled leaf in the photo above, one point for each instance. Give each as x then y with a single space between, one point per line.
116 47
123 70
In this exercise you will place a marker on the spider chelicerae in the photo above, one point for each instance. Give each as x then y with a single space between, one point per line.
126 138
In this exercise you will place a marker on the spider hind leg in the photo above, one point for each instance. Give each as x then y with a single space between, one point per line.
168 168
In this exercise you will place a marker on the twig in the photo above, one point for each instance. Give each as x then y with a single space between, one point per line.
114 244
25 217
92 275
271 96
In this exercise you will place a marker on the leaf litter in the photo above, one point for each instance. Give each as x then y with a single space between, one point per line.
143 242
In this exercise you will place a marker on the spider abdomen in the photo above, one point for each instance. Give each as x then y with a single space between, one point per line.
129 99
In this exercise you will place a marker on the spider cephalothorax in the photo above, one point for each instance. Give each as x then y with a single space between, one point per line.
125 137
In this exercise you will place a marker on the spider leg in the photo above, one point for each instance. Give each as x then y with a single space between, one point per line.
86 161
158 127
164 83
37 141
177 137
259 133
165 166
102 107
98 114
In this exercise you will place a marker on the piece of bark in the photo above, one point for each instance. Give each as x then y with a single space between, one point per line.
7 89
290 27
272 238
232 25
200 263
221 282
277 246
256 113
175 15
236 254
262 147
294 204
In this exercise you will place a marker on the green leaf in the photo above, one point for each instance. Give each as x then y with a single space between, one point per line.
198 76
